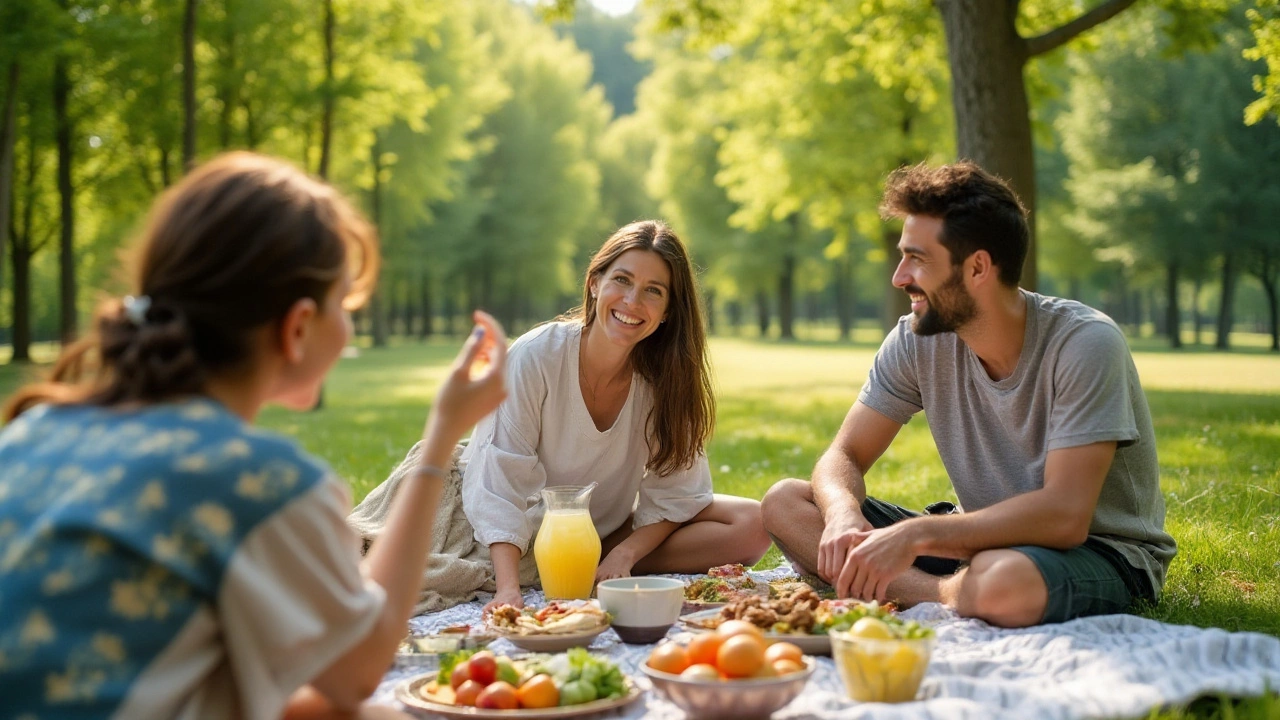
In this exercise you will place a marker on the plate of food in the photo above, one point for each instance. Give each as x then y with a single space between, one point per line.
800 617
720 586
557 626
483 685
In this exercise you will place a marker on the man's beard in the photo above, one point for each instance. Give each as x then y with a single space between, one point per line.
949 309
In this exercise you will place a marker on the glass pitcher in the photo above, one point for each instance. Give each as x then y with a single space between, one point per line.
567 548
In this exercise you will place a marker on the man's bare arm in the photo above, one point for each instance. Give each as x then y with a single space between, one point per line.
839 486
1055 516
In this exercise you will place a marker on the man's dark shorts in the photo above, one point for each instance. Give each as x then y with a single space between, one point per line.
1091 579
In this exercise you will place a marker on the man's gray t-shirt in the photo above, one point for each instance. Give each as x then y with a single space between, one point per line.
1075 384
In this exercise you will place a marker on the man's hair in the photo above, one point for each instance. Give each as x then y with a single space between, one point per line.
979 211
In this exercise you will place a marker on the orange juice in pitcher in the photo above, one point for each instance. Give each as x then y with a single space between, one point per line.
567 548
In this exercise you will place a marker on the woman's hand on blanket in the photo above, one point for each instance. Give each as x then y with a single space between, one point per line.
613 566
464 399
503 597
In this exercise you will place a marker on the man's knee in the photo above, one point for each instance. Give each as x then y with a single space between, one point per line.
1002 587
783 502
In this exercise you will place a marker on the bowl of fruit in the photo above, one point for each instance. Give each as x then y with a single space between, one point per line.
481 684
732 672
882 659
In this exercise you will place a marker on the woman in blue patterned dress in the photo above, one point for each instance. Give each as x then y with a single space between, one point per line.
159 556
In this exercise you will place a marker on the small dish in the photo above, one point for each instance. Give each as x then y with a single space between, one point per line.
729 699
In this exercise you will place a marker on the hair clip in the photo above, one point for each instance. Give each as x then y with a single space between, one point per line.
135 308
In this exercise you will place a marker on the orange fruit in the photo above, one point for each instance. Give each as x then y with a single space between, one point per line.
740 656
703 647
729 628
669 657
786 666
701 671
539 691
783 651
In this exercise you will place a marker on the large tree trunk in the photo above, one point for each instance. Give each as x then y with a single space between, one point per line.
786 298
20 238
228 92
327 99
1225 310
66 202
988 92
1172 316
8 140
989 95
189 86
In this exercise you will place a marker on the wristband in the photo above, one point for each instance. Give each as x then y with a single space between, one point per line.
435 470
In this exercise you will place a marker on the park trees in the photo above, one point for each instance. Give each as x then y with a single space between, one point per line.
990 44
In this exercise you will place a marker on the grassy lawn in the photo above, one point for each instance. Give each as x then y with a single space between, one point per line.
1217 418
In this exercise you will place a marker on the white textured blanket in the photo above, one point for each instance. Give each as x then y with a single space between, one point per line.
1114 666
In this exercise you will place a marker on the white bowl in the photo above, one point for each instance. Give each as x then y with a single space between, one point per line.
643 608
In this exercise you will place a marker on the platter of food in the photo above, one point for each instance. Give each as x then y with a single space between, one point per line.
557 626
544 686
800 617
721 585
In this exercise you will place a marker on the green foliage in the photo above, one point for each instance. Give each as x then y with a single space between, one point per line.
1265 21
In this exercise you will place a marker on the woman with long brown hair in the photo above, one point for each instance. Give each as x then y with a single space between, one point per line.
617 392
161 557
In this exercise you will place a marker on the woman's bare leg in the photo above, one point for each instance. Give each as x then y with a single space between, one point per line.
729 530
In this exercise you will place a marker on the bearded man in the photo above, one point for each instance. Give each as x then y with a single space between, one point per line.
1036 409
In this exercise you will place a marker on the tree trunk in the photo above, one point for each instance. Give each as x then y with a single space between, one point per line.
377 312
709 304
786 298
1224 307
843 287
21 299
21 243
8 141
425 329
228 92
1269 285
327 99
408 308
1196 320
189 86
896 303
66 203
1172 317
733 311
762 312
989 96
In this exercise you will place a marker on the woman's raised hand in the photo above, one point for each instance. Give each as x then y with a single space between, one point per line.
475 386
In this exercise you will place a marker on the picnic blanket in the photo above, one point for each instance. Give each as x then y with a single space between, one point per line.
1112 666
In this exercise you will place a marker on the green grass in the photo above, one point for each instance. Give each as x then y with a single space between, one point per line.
1217 418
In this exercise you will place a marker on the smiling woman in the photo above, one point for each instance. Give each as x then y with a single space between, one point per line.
616 392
